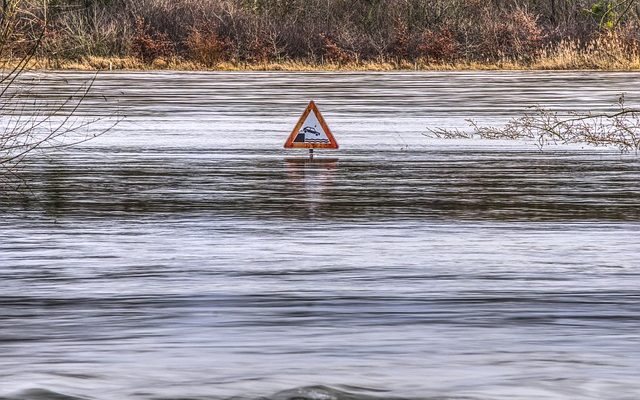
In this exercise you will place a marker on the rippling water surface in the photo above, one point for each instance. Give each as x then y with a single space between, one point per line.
185 255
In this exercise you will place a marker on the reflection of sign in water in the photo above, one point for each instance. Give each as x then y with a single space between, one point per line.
308 179
311 132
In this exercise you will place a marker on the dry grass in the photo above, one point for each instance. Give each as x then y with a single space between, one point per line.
606 52
561 60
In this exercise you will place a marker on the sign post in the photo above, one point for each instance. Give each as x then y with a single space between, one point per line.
311 132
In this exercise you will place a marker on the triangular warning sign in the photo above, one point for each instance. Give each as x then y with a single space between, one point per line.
311 132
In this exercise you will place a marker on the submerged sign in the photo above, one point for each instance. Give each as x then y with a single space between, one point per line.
311 132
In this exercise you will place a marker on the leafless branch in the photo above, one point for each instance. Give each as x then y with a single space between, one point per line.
620 129
31 122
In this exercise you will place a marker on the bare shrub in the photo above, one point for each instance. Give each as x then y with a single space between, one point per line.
513 34
438 45
620 129
402 46
333 52
91 33
149 45
205 46
524 34
258 50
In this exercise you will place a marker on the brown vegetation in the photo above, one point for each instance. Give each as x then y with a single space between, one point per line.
343 33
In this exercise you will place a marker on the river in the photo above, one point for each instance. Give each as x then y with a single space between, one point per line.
185 254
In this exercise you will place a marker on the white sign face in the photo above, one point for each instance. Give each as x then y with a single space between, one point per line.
311 131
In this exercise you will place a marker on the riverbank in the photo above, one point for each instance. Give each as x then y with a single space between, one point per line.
327 35
558 62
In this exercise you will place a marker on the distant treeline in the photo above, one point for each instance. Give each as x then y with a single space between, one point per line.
209 32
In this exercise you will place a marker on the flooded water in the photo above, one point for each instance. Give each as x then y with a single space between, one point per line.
186 255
